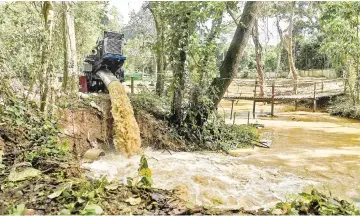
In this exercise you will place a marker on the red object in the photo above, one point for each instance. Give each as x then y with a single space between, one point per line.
83 84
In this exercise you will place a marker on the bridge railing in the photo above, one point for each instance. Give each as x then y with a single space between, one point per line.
302 88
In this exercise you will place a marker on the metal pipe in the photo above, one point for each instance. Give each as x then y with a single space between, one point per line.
107 77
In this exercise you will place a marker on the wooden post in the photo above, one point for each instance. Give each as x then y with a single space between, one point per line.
296 91
232 107
234 118
254 104
314 107
248 122
322 86
132 84
272 98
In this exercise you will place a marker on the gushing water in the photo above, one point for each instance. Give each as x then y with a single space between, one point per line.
309 149
205 178
127 134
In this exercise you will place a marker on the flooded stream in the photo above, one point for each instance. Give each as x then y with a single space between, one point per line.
308 150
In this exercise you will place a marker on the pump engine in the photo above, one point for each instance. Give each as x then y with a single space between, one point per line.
107 56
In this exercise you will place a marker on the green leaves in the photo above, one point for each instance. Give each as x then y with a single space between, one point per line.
315 203
60 190
145 174
19 175
19 210
92 209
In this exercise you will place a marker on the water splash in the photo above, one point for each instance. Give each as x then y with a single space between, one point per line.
205 178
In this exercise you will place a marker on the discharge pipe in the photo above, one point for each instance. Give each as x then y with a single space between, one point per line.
107 77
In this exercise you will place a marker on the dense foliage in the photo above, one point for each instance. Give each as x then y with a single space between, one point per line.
315 203
214 135
343 106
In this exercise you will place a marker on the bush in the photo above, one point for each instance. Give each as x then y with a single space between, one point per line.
315 203
343 106
150 103
214 134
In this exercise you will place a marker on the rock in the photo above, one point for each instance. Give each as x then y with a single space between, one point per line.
84 96
18 194
93 154
266 143
94 105
29 212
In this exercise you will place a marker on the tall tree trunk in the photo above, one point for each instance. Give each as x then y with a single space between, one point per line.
159 47
289 47
199 90
179 72
258 53
214 31
280 47
70 56
230 65
47 73
179 77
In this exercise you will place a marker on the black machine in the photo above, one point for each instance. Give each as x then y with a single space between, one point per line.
107 56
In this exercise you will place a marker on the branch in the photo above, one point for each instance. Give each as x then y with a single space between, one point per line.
231 14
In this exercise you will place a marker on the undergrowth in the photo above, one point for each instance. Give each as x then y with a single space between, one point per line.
38 175
343 106
315 203
214 134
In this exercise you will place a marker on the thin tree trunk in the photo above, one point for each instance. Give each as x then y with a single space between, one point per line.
179 74
289 48
229 67
258 53
215 29
280 47
70 56
47 73
278 61
159 48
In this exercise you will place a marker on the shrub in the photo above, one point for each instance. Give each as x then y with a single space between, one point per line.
343 106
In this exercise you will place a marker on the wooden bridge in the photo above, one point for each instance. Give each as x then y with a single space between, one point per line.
283 90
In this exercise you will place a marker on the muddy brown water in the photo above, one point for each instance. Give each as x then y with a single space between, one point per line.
126 130
309 150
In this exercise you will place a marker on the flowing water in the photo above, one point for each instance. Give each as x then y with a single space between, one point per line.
308 150
127 134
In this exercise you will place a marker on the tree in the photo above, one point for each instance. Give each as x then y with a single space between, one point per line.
114 20
47 71
157 13
258 52
340 24
280 46
229 67
182 26
70 53
287 39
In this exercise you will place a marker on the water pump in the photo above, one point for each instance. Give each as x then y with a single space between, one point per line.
104 64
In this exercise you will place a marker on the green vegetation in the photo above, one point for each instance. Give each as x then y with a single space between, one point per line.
315 203
212 135
40 175
192 51
343 106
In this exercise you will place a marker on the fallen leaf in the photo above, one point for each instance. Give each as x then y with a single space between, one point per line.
133 201
24 174
96 208
64 212
112 187
60 189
